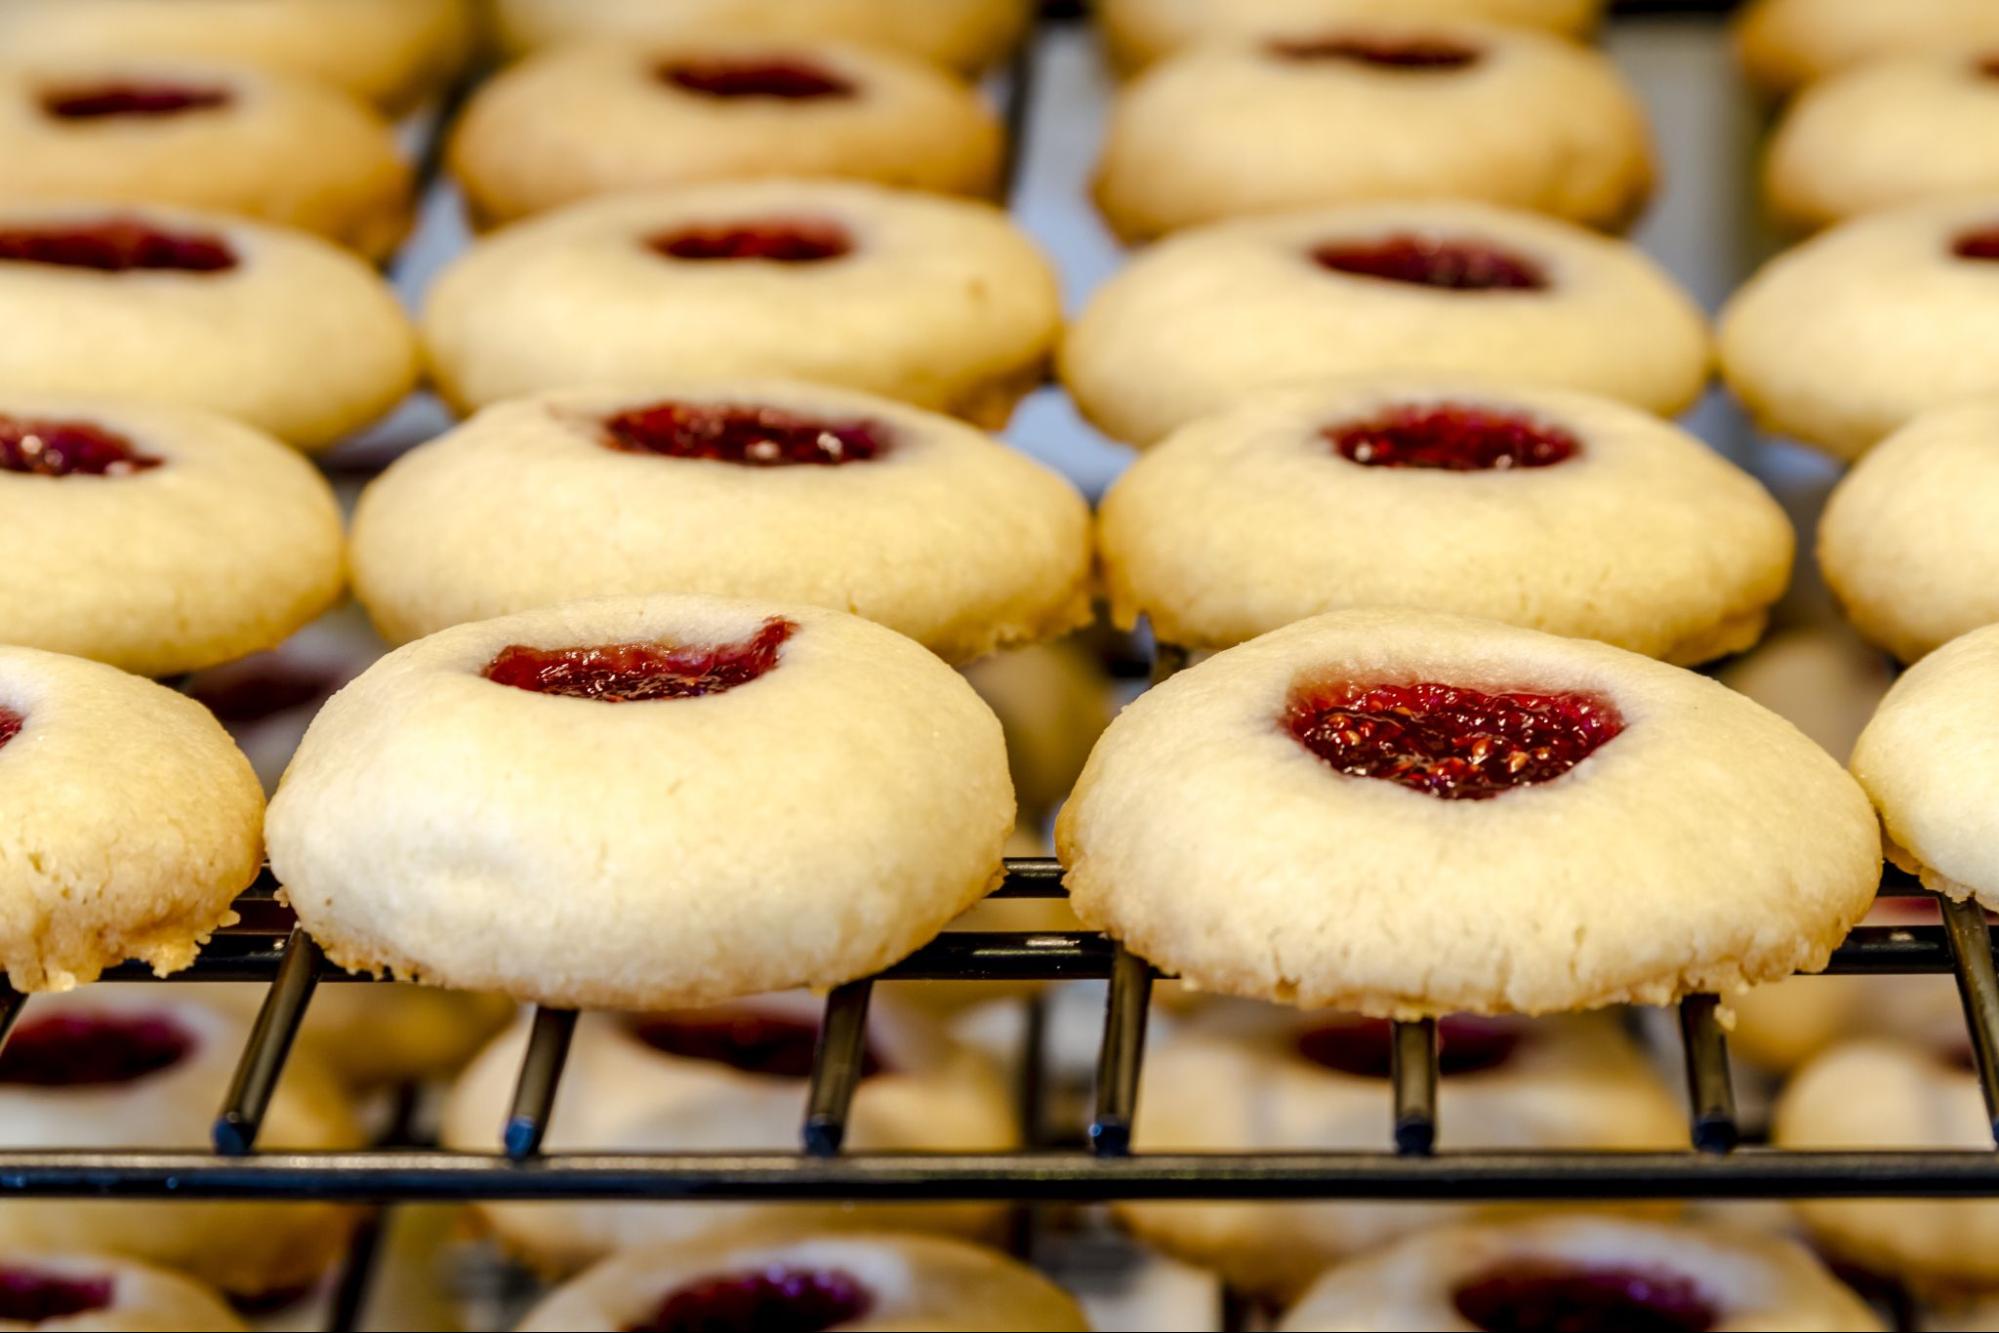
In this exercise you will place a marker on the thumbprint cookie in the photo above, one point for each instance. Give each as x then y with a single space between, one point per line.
1785 44
72 1289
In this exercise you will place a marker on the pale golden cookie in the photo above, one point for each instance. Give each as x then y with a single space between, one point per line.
1217 314
1821 678
1787 43
74 1289
612 775
1551 510
940 302
385 1034
735 488
1053 700
1562 825
1437 110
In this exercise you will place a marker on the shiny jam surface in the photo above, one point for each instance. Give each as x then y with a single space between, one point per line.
1427 261
1982 244
149 101
68 449
789 80
1551 1297
93 1050
751 436
1362 1047
35 1296
1451 438
11 723
766 1044
776 241
636 672
1446 741
1419 55
772 1300
116 245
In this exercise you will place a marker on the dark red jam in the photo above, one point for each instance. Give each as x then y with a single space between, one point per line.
775 1300
776 241
11 723
752 1043
93 1050
1425 261
793 80
34 1296
634 672
68 449
1361 1047
116 245
1417 54
751 436
261 686
1451 438
263 1304
1444 741
142 100
1553 1297
1989 67
1982 244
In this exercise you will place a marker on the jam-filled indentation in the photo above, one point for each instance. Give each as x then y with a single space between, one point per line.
93 1050
767 1044
48 448
1981 245
775 241
1452 438
638 672
35 1295
1363 1047
116 245
132 100
1553 1297
1422 55
1428 261
11 723
748 435
794 1300
793 79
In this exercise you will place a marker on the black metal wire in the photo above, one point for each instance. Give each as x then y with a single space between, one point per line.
1122 1054
837 1066
1971 948
1710 1090
262 1063
541 1073
1412 1061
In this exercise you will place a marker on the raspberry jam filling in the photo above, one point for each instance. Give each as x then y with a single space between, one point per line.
1450 438
1420 54
68 449
1361 1047
791 80
116 245
777 241
93 1050
1425 261
33 1296
1981 244
751 436
794 1300
254 688
619 673
145 100
1452 743
752 1043
1551 1297
11 723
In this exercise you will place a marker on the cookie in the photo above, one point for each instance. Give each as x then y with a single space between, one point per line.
157 539
796 1279
549 742
730 1078
1053 700
392 52
132 822
42 1289
1214 315
1907 541
1436 110
1552 510
939 302
1818 677
1562 825
277 328
1930 761
383 1035
735 488
1890 132
1784 44
200 134
1277 1081
1850 336
964 34
1584 1272
591 119
140 1067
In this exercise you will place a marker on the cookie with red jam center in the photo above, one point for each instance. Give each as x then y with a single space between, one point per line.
39 1287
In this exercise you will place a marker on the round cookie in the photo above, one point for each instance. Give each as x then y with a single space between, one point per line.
1876 1094
157 539
549 740
199 134
1552 510
132 822
391 52
1908 541
1466 111
279 329
76 1290
735 488
1584 1272
729 1078
1138 32
1564 825
964 34
1930 761
1891 132
800 1280
140 1067
1053 700
1278 1081
1819 677
1214 315
1784 44
939 302
592 119
1851 335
